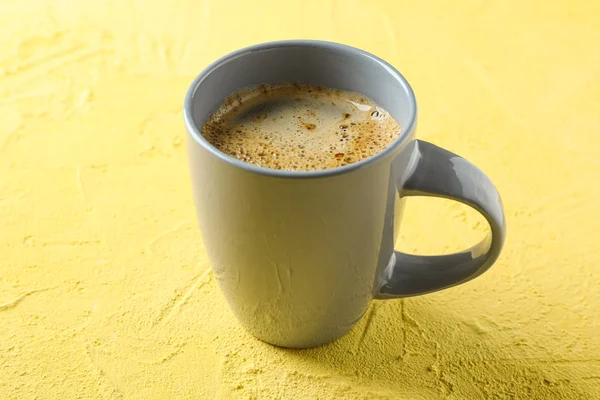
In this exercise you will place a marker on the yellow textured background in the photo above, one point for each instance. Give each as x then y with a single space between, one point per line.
105 290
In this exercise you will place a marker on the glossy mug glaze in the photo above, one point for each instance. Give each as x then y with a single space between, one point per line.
299 255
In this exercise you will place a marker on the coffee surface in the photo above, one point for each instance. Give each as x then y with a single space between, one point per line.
299 127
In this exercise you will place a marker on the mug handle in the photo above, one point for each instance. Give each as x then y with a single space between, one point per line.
440 173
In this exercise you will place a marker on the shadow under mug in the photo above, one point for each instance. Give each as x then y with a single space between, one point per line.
299 255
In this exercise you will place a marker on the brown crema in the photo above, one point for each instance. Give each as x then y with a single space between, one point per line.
299 127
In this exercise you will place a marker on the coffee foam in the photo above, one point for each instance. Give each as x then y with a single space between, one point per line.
299 127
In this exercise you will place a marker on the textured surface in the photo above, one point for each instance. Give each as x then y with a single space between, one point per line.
105 290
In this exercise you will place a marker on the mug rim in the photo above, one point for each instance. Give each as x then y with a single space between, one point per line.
195 131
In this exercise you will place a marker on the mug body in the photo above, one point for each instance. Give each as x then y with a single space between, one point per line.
298 254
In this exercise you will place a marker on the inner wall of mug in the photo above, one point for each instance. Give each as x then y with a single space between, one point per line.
318 63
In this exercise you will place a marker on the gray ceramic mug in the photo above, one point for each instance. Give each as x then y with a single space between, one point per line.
299 255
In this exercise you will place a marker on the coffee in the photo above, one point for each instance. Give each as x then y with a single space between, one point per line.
299 127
